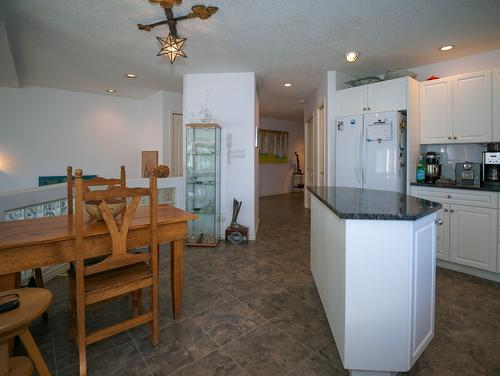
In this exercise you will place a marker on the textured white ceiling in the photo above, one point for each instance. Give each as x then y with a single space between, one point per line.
87 44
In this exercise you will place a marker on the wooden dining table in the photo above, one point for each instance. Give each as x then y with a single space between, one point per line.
39 242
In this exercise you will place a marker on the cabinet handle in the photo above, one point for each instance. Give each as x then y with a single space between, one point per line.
454 137
364 108
439 221
452 210
449 196
368 108
445 210
449 138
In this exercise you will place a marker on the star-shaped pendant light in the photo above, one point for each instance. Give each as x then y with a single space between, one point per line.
171 46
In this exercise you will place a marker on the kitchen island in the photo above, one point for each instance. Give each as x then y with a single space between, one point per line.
373 262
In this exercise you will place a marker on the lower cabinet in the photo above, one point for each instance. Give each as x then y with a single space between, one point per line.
465 234
473 236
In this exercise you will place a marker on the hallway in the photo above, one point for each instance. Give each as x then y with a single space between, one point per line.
254 310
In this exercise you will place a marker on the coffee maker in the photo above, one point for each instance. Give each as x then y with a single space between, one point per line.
491 167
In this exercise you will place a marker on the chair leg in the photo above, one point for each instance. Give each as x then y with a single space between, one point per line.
81 335
34 353
155 324
71 308
40 284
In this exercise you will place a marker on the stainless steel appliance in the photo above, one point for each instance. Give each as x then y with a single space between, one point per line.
491 167
432 167
468 173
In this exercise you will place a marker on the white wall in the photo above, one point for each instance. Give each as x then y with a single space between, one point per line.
232 103
276 178
44 130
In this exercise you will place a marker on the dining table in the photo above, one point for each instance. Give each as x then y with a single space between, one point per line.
38 242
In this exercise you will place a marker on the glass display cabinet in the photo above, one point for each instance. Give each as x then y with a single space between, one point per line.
203 144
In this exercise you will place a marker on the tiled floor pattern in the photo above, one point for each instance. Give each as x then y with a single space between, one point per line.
254 310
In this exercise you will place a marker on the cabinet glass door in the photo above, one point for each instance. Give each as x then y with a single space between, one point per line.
203 183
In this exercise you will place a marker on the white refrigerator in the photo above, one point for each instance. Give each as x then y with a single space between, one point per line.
371 151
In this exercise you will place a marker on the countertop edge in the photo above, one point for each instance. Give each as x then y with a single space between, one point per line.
493 189
377 217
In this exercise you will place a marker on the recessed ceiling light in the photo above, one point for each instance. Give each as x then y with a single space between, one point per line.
351 56
130 75
112 91
446 48
302 101
287 84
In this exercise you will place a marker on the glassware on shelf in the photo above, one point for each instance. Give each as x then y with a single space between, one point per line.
203 146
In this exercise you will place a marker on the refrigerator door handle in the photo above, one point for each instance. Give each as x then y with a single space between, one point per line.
361 155
359 164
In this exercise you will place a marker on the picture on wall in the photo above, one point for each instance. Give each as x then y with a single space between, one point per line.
273 146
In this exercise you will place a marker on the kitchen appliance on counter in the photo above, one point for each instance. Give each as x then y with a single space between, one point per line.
491 167
468 174
371 151
432 167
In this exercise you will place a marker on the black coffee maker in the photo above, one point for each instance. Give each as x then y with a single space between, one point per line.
491 165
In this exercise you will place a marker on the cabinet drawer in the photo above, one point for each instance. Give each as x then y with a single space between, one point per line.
458 196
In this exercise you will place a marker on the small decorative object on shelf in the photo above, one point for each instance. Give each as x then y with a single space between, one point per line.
236 233
203 183
298 170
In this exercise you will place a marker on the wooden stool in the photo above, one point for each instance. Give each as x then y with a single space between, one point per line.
33 303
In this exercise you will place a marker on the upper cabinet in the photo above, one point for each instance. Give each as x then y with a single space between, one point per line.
472 107
496 104
436 111
456 109
378 97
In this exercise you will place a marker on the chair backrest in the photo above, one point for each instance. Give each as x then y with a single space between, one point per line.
69 181
118 227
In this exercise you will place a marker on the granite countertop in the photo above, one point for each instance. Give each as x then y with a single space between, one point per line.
356 203
489 188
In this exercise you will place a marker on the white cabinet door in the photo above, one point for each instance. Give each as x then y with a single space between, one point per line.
387 95
496 104
436 111
472 119
443 234
351 101
473 236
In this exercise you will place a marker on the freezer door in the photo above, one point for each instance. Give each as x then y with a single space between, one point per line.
381 151
349 136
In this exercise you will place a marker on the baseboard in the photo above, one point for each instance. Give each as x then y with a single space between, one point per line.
468 270
48 273
274 193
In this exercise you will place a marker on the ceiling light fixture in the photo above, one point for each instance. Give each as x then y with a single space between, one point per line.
130 75
302 101
287 84
447 47
111 91
351 56
171 46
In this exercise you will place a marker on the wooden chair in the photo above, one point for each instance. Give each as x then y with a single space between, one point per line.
121 273
33 302
69 173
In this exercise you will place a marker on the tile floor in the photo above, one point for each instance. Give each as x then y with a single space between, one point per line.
254 310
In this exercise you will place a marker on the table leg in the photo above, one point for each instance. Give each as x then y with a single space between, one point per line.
177 275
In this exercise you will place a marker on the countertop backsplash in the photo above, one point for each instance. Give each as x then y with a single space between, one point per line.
454 153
